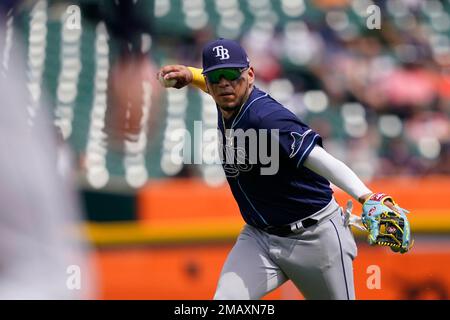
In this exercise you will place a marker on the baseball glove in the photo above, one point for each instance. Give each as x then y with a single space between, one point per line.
387 223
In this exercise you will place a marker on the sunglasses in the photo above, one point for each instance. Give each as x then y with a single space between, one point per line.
230 74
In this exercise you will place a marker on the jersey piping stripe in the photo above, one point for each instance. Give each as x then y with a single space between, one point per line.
262 218
235 121
342 259
307 149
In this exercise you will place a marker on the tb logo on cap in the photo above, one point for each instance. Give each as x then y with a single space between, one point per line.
221 52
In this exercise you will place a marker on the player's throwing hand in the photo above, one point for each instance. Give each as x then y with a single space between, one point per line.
176 76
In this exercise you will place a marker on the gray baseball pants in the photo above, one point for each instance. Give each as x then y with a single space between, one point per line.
318 260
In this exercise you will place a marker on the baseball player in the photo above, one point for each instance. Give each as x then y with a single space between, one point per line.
294 228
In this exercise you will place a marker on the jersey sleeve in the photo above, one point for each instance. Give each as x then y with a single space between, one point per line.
296 139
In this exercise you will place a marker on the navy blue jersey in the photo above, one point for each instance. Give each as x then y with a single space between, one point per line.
287 194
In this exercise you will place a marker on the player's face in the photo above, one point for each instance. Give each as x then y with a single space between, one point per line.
230 88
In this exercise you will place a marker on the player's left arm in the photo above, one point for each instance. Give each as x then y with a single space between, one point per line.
337 172
379 209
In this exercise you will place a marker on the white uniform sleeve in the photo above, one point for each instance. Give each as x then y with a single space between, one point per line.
335 171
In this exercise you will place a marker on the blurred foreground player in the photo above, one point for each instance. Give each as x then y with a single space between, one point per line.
42 254
294 227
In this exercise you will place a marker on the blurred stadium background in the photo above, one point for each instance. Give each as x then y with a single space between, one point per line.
380 99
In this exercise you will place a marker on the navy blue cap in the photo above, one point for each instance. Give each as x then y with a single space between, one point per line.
223 53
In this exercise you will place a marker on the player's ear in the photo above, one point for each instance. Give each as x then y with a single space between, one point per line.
207 85
250 76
